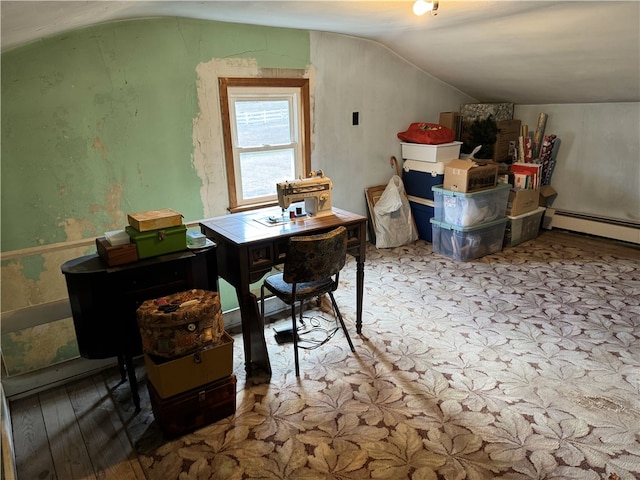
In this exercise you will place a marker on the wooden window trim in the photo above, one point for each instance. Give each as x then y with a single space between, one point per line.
226 82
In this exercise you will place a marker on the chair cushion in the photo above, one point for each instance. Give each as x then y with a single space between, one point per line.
283 290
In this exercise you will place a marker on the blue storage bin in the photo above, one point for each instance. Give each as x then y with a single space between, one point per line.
419 177
422 211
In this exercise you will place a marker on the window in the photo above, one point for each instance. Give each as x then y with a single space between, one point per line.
266 137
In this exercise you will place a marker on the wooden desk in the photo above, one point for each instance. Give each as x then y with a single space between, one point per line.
248 247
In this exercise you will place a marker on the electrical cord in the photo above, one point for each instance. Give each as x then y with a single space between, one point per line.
316 327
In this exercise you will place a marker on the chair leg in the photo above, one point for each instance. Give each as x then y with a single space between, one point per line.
295 337
339 315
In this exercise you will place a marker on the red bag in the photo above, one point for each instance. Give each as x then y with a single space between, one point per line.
427 133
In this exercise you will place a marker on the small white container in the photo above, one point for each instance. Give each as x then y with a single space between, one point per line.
430 153
117 237
196 239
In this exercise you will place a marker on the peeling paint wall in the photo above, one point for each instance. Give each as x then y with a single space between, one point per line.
125 116
98 123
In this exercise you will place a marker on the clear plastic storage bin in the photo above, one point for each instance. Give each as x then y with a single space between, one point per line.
467 243
470 209
523 227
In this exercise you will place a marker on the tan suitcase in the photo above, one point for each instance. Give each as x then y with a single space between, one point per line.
174 376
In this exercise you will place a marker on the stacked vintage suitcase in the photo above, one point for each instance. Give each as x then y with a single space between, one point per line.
157 232
189 360
149 234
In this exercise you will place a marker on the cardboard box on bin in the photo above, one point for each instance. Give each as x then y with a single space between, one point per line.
470 175
522 201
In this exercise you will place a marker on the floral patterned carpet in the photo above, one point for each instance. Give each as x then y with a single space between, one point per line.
520 365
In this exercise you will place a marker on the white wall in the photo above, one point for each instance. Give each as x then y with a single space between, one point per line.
355 75
598 166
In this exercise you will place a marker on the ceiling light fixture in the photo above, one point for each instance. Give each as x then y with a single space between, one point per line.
420 7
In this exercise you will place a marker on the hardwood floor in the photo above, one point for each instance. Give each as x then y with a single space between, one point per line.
72 432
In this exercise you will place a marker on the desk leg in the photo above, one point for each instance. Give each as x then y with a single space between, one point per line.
359 294
255 345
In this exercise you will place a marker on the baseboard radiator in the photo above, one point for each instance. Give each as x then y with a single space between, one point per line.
615 229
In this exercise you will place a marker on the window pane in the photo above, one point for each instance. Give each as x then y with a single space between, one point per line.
263 123
260 171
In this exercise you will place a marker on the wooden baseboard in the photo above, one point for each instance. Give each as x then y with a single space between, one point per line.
27 384
613 231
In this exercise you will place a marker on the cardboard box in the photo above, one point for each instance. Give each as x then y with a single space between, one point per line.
448 119
175 376
522 201
116 255
154 219
470 175
430 153
547 195
508 131
452 120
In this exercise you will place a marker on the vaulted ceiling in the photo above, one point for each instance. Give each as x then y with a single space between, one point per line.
526 52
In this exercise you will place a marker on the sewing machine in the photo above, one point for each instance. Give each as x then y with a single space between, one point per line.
315 191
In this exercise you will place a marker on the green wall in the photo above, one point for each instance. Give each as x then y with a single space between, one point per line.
97 123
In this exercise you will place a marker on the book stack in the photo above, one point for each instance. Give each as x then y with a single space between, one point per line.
526 175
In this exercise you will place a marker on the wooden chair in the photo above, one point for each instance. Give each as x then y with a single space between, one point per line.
311 269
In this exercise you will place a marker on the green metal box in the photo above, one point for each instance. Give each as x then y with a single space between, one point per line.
159 242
